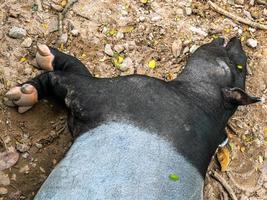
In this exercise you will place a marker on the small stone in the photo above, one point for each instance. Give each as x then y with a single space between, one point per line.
4 179
127 63
25 169
3 191
63 38
240 2
56 7
27 43
188 11
142 18
156 18
75 32
252 43
177 48
22 147
17 33
119 48
120 35
265 12
38 145
108 50
193 48
25 155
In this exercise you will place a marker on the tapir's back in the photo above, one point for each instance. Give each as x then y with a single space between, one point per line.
121 161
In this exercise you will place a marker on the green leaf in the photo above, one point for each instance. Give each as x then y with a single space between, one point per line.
174 177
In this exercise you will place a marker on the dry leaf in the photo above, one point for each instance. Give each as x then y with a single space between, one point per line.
223 156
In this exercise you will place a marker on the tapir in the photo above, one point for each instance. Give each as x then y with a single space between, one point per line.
131 133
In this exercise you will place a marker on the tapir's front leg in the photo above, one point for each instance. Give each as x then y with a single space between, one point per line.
56 82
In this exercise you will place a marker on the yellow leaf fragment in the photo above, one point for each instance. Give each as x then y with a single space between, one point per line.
127 29
265 130
223 156
23 59
63 3
144 1
152 64
45 26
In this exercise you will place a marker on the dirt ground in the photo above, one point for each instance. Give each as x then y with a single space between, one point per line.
166 31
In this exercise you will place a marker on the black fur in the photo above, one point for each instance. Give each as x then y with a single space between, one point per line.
189 111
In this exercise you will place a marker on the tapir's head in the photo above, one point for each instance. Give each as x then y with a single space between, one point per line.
215 65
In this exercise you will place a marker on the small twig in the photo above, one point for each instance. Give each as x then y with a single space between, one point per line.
39 4
62 15
223 182
236 18
67 7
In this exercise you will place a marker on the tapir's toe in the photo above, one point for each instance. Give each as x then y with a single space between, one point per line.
24 97
44 57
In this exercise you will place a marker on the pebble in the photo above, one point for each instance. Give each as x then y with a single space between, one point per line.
25 155
17 33
27 43
240 2
193 48
120 35
127 63
56 7
188 11
252 43
142 19
265 12
75 32
156 18
63 38
3 191
22 147
177 47
108 50
38 145
4 179
119 48
25 169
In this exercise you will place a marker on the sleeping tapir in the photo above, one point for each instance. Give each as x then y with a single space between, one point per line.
132 132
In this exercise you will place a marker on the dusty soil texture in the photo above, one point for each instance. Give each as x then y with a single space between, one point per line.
166 31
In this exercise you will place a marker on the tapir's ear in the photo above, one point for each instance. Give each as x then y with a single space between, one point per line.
238 96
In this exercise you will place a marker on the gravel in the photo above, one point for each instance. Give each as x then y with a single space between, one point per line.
17 33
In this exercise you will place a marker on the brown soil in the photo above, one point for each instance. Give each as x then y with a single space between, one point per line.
146 31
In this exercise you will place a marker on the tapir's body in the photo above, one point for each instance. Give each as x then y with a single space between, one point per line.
133 132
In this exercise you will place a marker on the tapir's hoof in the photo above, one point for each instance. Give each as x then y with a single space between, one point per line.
44 57
24 97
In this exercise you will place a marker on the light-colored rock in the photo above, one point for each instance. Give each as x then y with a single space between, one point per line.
22 147
56 7
119 35
156 18
108 50
186 50
75 32
252 43
177 47
127 64
4 179
3 191
188 11
240 2
63 38
119 48
17 32
27 42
